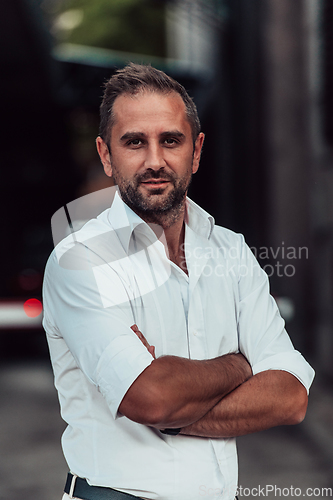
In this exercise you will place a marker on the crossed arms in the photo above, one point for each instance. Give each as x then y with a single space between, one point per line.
213 398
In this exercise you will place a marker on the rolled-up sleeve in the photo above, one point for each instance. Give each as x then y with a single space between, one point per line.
99 338
119 366
262 335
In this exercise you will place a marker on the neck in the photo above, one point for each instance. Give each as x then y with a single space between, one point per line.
173 238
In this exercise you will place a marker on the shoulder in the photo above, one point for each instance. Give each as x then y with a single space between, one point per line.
228 239
238 257
71 271
96 240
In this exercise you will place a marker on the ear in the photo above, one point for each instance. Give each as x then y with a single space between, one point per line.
197 152
104 155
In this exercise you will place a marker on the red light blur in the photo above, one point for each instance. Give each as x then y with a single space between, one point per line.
32 307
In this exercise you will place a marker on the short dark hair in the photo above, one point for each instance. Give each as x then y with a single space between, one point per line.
134 78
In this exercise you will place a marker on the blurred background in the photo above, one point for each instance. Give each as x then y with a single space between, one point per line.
261 74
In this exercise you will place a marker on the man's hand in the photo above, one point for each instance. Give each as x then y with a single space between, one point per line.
150 348
175 392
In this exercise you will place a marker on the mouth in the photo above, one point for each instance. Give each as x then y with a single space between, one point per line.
155 183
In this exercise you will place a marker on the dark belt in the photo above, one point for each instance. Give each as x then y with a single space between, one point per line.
83 490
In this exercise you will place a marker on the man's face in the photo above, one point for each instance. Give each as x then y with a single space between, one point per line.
152 155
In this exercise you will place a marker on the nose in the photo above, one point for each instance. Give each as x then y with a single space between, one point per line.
154 158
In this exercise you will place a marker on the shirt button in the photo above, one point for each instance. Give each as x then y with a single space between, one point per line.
195 332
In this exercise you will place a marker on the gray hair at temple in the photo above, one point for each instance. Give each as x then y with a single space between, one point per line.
133 79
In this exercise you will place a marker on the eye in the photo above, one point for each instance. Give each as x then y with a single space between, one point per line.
134 142
170 141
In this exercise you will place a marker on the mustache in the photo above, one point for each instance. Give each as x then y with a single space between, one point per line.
160 174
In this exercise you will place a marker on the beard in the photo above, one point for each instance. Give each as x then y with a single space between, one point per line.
156 206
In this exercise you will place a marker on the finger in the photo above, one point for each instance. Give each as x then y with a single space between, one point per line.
151 350
138 333
140 336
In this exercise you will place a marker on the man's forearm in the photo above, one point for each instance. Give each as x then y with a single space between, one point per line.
174 392
266 400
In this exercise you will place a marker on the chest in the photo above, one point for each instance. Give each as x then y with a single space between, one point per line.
191 316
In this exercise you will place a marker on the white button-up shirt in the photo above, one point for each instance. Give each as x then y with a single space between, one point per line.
115 273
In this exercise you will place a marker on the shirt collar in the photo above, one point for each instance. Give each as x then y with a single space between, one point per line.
125 221
200 221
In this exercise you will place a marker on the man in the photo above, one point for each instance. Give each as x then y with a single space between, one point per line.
164 340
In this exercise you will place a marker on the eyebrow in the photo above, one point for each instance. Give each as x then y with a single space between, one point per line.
140 135
132 135
173 133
